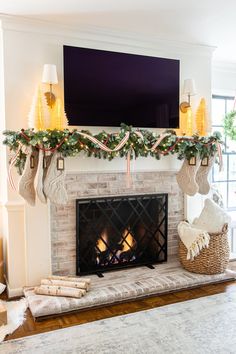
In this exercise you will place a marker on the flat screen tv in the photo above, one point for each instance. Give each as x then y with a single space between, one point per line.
103 88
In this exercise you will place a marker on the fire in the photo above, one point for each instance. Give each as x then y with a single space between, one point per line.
101 245
124 253
129 241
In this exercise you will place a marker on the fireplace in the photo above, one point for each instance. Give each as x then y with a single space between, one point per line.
118 232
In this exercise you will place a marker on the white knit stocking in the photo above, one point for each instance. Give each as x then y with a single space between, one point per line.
186 177
54 187
202 176
26 183
41 175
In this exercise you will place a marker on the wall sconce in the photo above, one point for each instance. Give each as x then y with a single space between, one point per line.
190 90
50 77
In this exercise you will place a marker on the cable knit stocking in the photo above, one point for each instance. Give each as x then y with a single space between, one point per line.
26 183
41 175
202 176
54 187
186 177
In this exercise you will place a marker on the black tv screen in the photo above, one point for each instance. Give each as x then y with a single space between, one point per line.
103 88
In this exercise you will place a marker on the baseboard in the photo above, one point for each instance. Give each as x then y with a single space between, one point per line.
13 292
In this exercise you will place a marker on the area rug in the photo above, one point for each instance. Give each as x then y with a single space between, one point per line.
124 285
200 326
15 316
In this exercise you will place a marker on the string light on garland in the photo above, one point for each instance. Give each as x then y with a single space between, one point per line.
128 142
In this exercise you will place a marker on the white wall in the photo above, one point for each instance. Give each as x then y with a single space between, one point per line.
27 46
224 78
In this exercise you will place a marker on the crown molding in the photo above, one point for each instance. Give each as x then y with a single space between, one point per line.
103 35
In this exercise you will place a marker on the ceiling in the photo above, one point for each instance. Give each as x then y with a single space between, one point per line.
208 22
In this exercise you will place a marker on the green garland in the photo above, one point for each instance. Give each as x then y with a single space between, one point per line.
71 144
229 126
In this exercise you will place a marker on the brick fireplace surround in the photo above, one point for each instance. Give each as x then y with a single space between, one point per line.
84 185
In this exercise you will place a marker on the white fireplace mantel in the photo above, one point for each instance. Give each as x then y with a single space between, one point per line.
28 244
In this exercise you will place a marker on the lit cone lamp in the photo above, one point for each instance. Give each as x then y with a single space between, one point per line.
201 118
189 90
50 77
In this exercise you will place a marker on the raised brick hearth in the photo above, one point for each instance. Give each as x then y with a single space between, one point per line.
84 185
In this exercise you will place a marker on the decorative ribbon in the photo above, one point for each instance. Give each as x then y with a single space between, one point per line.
155 145
41 147
219 151
119 146
128 157
139 134
121 143
103 146
162 136
128 169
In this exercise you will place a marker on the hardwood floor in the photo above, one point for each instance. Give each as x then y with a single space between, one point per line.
31 327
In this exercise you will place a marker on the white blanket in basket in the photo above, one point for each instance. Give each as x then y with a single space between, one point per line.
194 239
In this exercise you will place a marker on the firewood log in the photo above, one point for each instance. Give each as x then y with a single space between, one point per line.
59 291
68 278
68 284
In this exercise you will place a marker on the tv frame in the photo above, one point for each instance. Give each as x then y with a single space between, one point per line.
87 124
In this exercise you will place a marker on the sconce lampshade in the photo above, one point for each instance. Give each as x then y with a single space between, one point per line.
49 74
189 87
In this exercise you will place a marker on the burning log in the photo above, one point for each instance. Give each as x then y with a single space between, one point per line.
103 257
127 256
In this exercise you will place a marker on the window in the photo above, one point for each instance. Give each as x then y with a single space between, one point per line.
226 179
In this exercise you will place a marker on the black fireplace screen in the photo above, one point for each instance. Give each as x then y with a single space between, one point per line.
117 232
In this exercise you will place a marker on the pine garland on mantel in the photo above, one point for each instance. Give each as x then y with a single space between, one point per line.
140 142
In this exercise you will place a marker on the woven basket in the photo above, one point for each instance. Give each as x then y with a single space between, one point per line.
211 260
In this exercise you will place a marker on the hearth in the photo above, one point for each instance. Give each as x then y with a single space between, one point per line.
117 232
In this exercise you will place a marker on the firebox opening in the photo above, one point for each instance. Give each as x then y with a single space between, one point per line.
121 231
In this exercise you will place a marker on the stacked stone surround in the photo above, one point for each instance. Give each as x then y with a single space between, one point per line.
86 185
